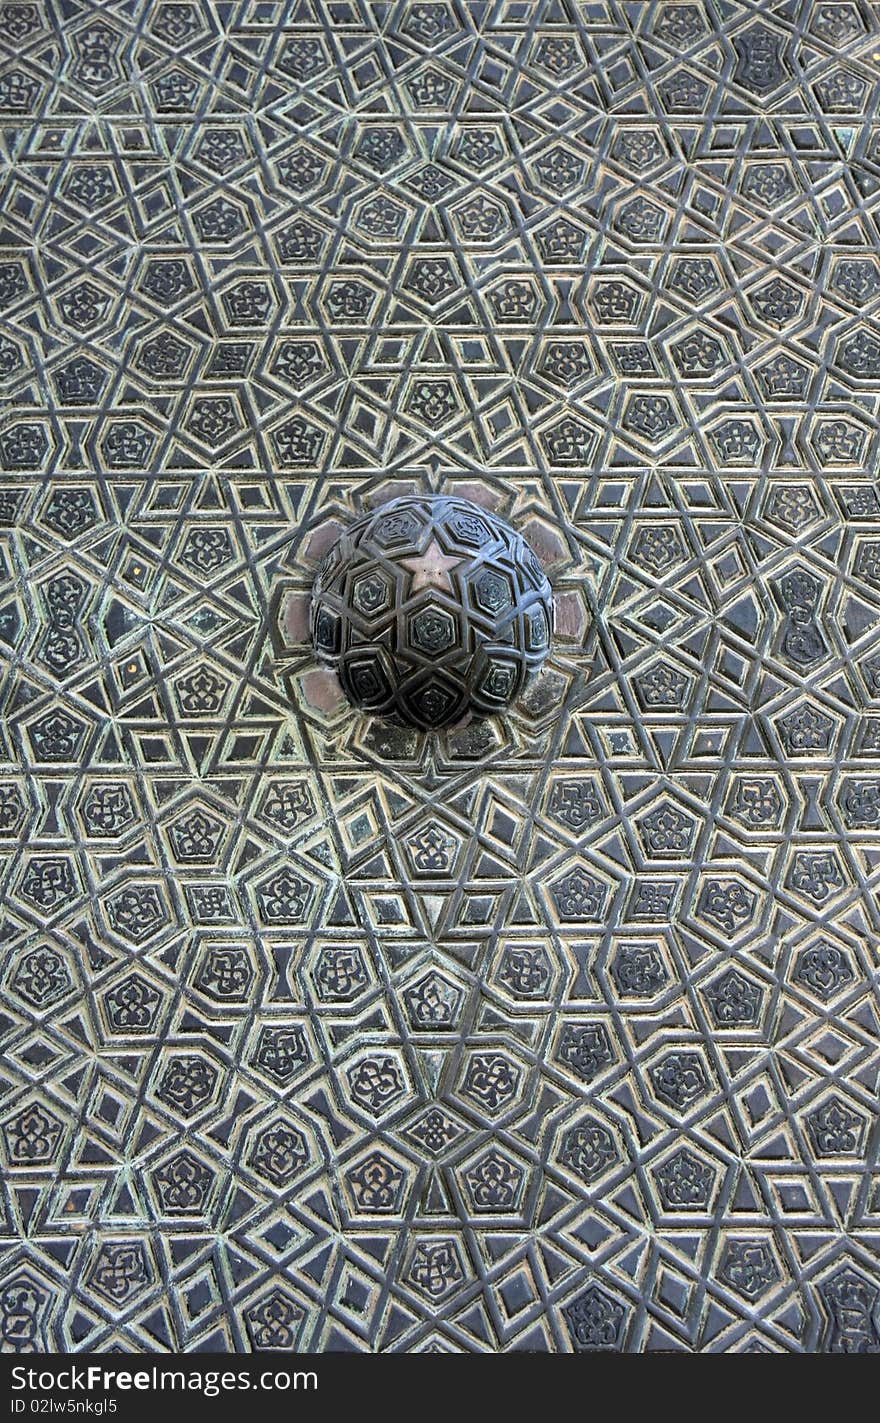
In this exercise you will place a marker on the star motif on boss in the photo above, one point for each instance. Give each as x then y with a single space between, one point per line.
431 569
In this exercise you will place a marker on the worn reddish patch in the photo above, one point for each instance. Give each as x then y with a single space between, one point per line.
322 540
481 494
393 489
571 616
544 541
295 619
321 689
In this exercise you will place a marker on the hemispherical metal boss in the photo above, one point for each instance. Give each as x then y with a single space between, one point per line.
431 609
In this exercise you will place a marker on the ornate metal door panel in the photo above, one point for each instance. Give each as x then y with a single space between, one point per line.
557 1031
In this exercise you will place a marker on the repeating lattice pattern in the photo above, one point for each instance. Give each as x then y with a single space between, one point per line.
558 1032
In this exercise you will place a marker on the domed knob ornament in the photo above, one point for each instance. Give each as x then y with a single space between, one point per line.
431 609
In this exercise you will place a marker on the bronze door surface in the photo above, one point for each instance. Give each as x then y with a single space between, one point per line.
555 1031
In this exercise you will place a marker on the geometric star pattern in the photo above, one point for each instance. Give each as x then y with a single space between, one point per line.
557 1032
